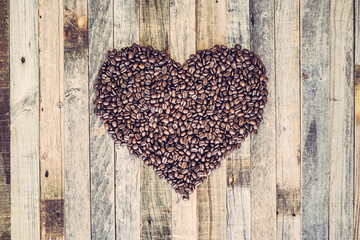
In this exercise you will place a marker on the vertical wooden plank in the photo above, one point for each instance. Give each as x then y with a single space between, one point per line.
211 195
238 163
314 27
24 118
357 124
127 173
182 43
263 149
101 27
288 168
51 62
5 206
155 193
76 121
341 124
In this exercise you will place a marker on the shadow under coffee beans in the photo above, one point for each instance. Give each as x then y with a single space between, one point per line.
181 119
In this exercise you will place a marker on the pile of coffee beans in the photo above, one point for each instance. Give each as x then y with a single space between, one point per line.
181 119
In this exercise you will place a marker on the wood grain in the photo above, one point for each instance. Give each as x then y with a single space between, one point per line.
76 121
288 165
51 62
263 146
357 123
5 203
183 43
341 122
238 164
101 27
127 167
24 118
211 195
314 27
155 193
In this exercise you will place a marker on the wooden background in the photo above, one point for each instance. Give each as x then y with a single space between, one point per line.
62 177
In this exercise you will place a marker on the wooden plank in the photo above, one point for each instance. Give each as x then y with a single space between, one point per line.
341 122
24 118
155 193
5 205
51 62
211 195
76 121
238 164
263 150
101 27
357 123
288 106
183 43
314 25
127 173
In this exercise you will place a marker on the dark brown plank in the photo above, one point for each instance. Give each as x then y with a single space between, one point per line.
155 195
5 213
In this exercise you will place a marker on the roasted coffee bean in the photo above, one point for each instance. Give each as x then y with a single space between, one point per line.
181 119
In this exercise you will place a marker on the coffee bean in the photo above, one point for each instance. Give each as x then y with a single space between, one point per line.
181 119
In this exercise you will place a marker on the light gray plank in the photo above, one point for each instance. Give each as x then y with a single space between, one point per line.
24 120
341 124
127 173
51 65
76 121
211 195
182 44
263 151
357 123
102 146
288 107
155 193
238 164
315 70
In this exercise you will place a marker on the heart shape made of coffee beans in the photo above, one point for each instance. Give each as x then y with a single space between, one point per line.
181 119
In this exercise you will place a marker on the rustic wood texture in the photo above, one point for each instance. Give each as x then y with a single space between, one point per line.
341 122
76 121
155 193
182 44
24 117
5 207
211 195
263 146
101 29
357 123
127 167
238 164
288 165
51 57
314 27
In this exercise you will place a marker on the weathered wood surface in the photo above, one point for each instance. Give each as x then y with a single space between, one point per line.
357 123
127 167
5 213
24 117
263 150
182 43
341 119
288 162
101 29
155 193
314 27
238 201
51 62
76 121
211 195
